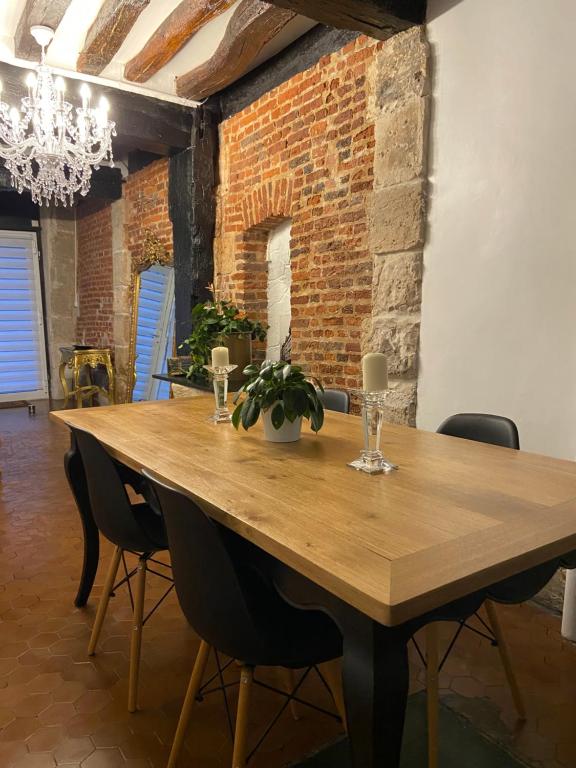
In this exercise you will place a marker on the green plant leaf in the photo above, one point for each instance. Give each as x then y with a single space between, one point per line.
236 415
295 402
250 413
266 373
277 416
317 418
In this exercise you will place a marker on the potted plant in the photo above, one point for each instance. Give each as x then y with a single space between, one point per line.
220 323
283 395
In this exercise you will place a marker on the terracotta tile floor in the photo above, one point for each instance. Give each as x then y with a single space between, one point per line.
57 707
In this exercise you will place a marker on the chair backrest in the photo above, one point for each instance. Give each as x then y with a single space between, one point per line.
109 501
482 427
226 600
335 400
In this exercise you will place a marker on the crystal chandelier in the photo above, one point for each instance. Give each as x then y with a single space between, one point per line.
48 146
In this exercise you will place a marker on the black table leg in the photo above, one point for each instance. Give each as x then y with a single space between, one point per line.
77 481
376 679
375 672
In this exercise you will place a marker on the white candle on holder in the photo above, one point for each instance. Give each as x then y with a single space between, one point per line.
220 357
374 372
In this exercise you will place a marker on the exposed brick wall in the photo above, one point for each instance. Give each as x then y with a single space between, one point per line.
94 274
145 194
305 151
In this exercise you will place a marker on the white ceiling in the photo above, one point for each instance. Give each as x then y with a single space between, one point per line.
69 39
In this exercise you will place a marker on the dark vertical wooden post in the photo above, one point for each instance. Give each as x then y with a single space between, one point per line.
192 199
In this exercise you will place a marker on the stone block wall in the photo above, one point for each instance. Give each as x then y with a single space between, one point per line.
340 150
399 105
58 233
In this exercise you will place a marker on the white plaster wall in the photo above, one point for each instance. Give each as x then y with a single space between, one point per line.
499 293
279 282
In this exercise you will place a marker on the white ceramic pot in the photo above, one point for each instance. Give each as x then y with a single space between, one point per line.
288 432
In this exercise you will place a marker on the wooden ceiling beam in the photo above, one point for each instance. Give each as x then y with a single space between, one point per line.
252 26
184 21
46 12
377 18
107 33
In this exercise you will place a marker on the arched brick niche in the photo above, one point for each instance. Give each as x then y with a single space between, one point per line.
340 150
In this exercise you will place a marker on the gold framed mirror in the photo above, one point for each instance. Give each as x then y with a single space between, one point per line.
152 277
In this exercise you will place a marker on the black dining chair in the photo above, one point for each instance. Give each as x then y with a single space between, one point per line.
225 589
135 528
335 400
500 431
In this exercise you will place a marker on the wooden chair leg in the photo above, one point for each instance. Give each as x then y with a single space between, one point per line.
104 600
332 672
136 639
287 678
240 737
432 663
505 658
193 687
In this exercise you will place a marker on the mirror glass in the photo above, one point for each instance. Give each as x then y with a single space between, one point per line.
154 337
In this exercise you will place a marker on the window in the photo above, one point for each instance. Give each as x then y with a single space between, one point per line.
23 373
279 282
154 332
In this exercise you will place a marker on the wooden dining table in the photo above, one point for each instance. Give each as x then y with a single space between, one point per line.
384 555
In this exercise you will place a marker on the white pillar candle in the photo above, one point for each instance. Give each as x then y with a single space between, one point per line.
220 357
374 372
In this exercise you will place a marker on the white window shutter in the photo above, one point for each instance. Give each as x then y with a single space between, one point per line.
23 372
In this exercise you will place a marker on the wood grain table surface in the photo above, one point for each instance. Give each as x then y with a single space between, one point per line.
457 515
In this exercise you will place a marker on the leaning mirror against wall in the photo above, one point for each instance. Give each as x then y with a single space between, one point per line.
152 326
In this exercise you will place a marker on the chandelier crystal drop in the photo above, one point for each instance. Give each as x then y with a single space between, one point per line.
49 146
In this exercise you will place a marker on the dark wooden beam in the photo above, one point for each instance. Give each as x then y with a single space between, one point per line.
5 184
114 21
192 203
105 184
376 18
46 12
184 21
302 54
137 160
142 122
251 27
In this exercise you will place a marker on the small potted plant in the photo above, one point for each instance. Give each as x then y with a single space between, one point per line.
283 395
220 323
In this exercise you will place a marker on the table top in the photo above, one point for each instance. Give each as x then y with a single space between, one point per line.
456 517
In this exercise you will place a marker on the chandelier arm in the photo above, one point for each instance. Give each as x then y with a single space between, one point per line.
50 147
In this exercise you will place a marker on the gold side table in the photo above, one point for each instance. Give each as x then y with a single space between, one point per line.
76 360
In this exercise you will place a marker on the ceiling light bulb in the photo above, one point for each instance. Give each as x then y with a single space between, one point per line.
59 84
31 80
104 104
85 91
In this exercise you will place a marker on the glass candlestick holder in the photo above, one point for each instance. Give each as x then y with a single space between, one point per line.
220 375
372 459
